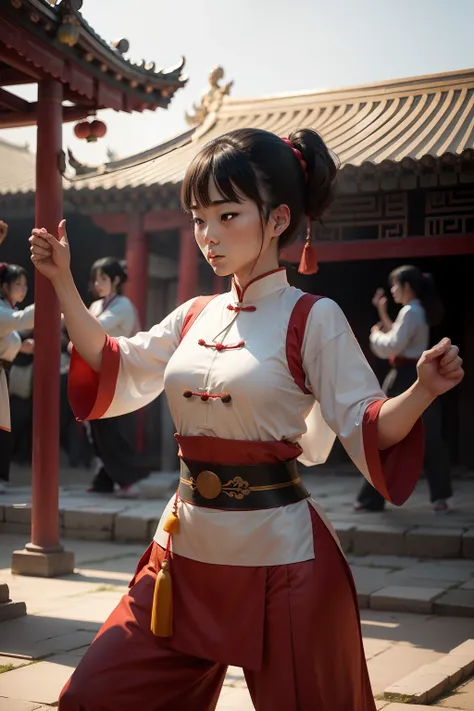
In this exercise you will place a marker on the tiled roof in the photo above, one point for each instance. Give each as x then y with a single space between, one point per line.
17 168
401 120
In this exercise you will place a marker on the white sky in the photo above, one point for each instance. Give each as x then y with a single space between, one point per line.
269 47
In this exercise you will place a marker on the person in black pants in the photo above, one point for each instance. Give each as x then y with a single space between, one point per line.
402 342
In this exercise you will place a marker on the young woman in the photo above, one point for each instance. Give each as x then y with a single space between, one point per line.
13 290
403 342
244 568
114 439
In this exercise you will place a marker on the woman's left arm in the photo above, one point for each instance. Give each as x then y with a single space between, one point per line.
439 370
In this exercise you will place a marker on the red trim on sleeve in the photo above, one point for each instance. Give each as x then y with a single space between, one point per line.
295 336
394 471
91 393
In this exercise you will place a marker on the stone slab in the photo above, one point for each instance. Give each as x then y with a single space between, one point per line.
379 540
18 513
89 520
4 592
468 544
6 661
434 542
131 528
41 682
421 687
11 610
86 534
459 603
17 705
431 681
43 565
461 700
404 707
14 527
345 533
419 600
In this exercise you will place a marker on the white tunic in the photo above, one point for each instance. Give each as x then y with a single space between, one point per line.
118 317
267 405
11 321
408 337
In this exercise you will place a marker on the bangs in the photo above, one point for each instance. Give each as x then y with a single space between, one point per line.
226 167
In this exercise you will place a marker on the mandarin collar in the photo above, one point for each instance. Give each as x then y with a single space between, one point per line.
261 286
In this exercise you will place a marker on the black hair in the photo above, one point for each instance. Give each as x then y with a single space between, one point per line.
260 166
423 286
9 273
113 268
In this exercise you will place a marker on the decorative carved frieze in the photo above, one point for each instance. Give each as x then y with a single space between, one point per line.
449 211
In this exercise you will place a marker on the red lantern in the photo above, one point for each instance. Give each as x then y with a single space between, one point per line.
82 130
98 129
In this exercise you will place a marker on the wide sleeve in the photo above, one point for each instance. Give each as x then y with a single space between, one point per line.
131 374
350 397
395 341
11 320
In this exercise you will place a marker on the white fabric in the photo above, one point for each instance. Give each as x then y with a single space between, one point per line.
266 405
118 318
408 337
12 321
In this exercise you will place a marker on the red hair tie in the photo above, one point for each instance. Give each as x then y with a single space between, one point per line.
309 261
299 155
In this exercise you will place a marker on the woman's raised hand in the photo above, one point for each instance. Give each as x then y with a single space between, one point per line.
379 299
50 256
440 368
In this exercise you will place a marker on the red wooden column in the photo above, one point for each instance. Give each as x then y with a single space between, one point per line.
137 265
188 277
44 555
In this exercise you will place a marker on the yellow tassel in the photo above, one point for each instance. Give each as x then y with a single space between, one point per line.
171 524
162 610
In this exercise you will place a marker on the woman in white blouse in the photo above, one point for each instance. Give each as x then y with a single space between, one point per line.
13 290
114 439
402 342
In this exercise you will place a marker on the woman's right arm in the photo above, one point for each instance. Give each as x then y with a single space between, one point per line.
52 259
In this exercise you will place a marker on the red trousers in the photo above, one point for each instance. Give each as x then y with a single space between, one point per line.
309 648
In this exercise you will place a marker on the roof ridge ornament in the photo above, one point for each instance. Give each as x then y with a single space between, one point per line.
211 99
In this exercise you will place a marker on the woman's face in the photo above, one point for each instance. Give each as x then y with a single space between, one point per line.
17 290
232 238
102 284
401 293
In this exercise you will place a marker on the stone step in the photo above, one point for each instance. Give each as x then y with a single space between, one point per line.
10 610
4 593
431 681
106 519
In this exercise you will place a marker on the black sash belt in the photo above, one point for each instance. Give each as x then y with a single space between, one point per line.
259 486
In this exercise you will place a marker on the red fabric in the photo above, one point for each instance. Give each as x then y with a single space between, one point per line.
394 471
91 393
198 305
235 451
309 260
295 336
294 629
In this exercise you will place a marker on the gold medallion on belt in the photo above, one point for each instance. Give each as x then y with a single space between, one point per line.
208 484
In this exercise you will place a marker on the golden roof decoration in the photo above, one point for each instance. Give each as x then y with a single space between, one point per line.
211 99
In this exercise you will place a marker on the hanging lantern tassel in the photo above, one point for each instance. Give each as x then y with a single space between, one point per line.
162 610
309 260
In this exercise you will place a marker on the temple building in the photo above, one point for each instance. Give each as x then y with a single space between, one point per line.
405 195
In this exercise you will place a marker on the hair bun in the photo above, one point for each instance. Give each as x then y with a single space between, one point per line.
321 167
